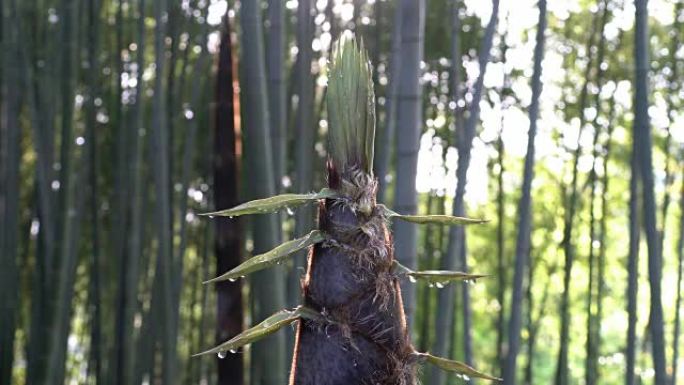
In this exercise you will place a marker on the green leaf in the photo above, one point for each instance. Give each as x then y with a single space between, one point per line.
461 369
273 204
436 277
350 100
268 326
439 219
272 257
434 219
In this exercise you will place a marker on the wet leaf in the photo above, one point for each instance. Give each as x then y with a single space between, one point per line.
268 326
273 204
436 276
455 366
272 257
435 219
439 219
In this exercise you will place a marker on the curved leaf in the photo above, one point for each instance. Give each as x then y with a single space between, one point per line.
272 257
434 219
268 326
273 204
438 277
457 367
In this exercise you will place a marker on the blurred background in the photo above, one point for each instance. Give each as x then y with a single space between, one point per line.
122 120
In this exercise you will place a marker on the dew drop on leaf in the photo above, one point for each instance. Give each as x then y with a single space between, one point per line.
221 354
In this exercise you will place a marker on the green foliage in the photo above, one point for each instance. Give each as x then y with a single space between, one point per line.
273 204
448 220
463 370
272 257
436 277
265 328
351 106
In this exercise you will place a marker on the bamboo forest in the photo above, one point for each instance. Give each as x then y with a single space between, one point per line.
341 192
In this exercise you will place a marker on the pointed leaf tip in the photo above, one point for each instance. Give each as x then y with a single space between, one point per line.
460 368
272 257
448 220
273 204
266 327
350 101
438 277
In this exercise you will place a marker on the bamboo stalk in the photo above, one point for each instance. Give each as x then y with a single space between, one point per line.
268 287
456 251
160 158
409 123
642 134
523 240
10 158
306 133
561 376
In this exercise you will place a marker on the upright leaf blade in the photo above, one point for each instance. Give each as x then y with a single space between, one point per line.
273 204
266 327
458 367
271 257
351 105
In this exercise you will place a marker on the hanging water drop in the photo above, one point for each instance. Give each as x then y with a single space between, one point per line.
221 355
233 351
412 279
211 216
439 285
289 211
232 279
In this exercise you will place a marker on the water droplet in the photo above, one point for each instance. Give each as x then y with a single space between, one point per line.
232 279
439 285
289 211
233 351
431 284
221 354
412 279
211 216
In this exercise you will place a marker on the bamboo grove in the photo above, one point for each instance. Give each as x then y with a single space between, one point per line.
555 126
